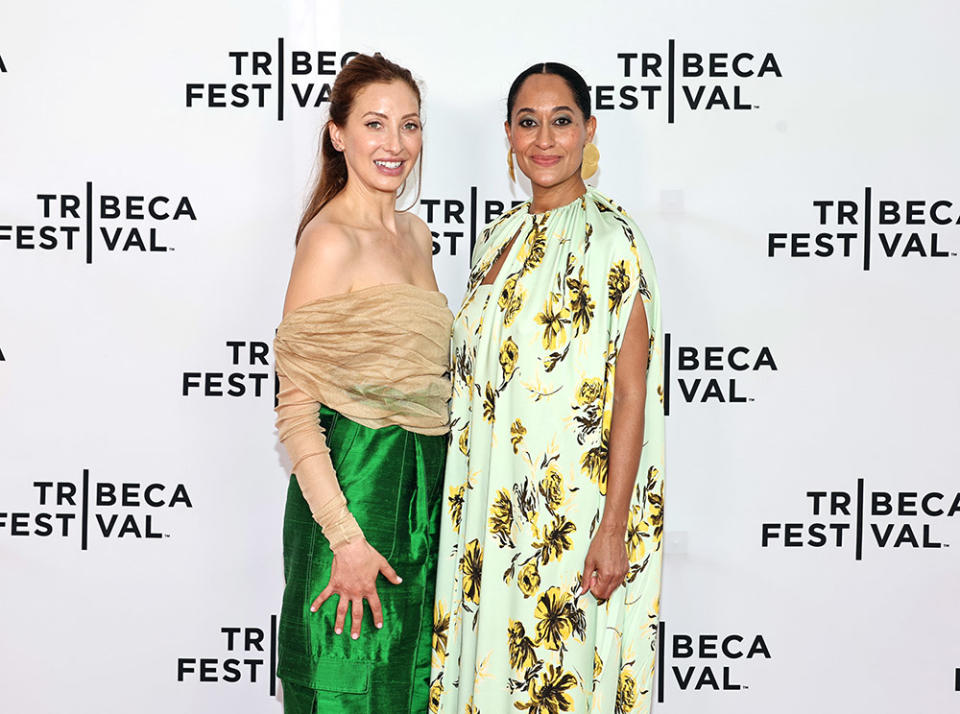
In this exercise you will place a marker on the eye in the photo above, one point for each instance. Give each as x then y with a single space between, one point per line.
373 124
562 121
527 123
412 126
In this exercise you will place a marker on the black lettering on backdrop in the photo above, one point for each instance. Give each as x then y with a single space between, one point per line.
452 219
691 80
885 519
3 67
250 657
911 228
82 221
704 660
693 370
266 77
110 510
236 383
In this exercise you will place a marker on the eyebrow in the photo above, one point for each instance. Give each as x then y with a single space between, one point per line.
561 108
384 116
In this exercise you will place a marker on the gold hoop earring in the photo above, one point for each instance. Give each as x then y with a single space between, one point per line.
513 176
591 160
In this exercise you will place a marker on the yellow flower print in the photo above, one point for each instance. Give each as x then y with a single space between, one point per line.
590 391
465 440
581 305
441 623
556 539
508 358
642 286
626 693
517 432
532 250
597 665
637 530
551 488
528 579
521 649
516 302
470 709
455 506
654 494
594 462
506 292
554 624
501 518
489 403
554 323
436 691
618 282
471 565
549 695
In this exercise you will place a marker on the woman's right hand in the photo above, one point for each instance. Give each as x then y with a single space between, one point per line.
353 576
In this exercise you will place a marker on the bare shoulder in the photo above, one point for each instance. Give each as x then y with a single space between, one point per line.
323 265
419 230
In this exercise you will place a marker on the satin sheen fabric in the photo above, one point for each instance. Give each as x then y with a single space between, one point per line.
391 478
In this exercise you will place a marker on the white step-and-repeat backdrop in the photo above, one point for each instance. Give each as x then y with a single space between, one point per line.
794 167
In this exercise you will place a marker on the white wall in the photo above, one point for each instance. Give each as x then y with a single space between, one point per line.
864 391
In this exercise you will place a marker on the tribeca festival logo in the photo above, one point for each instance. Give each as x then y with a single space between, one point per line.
453 219
706 661
685 81
246 376
112 222
266 79
883 520
711 374
3 67
872 228
96 510
249 656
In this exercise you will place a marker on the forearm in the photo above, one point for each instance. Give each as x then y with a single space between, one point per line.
623 458
626 427
306 445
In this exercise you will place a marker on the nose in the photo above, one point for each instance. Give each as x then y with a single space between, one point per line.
391 140
544 138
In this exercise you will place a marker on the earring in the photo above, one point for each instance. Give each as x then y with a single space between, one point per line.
591 160
510 165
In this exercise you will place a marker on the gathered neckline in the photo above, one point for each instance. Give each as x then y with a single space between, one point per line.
434 295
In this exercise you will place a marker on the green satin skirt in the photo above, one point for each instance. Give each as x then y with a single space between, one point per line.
391 479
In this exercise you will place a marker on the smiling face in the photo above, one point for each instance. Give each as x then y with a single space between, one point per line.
382 137
548 132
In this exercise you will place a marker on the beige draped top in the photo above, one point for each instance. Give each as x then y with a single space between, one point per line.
378 356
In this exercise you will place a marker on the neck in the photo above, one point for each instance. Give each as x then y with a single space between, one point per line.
370 207
546 198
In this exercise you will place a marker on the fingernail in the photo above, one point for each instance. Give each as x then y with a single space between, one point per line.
338 630
313 608
379 625
399 579
354 635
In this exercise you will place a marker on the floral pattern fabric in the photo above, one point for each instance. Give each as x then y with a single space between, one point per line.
533 362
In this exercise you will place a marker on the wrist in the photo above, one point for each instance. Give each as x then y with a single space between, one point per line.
613 524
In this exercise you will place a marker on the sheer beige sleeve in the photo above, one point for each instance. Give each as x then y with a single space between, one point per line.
304 440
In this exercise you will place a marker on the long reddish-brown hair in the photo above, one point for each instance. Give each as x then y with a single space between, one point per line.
359 72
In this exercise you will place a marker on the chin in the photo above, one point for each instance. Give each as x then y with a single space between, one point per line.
548 178
387 184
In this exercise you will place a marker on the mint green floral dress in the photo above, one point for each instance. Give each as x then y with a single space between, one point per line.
533 364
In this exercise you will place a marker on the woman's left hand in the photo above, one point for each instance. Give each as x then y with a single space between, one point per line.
606 564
